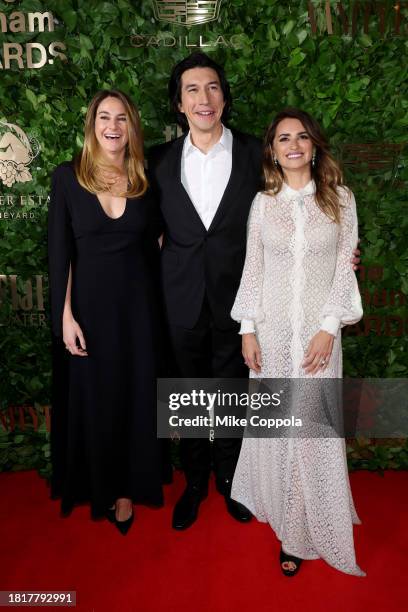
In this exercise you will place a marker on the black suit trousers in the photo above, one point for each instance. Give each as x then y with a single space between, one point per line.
204 352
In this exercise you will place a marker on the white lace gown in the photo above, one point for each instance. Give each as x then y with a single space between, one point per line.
298 279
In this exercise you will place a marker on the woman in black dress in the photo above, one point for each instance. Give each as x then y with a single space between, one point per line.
103 229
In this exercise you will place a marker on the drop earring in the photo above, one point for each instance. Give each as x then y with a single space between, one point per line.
314 159
275 159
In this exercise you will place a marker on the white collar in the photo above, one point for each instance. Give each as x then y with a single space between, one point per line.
224 142
307 190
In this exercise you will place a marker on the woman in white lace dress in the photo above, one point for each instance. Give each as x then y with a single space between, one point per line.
297 290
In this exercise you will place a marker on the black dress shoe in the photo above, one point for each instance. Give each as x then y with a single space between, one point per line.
186 510
223 485
124 526
237 510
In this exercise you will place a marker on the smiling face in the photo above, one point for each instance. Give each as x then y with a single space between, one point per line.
292 145
202 99
111 128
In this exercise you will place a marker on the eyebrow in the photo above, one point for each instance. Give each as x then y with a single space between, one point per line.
195 84
103 112
298 134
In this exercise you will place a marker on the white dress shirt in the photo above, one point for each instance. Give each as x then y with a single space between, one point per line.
205 176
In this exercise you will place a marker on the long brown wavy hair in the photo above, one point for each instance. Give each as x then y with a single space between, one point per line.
326 172
90 162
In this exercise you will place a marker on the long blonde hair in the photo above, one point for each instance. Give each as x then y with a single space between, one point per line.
326 172
88 163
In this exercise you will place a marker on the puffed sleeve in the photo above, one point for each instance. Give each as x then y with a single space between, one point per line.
343 306
60 248
247 307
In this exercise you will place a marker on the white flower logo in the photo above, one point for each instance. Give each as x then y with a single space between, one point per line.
16 153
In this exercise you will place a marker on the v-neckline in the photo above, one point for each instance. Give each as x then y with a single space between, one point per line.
106 214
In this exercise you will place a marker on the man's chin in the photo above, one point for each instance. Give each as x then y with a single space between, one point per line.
208 126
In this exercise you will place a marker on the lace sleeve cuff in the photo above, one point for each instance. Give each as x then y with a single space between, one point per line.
247 327
331 325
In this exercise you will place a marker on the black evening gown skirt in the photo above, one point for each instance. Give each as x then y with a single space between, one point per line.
104 443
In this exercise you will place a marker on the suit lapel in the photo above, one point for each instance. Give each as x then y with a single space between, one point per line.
239 163
240 160
180 192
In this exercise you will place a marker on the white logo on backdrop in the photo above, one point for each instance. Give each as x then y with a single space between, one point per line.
17 151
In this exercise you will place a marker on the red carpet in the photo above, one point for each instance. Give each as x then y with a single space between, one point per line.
216 565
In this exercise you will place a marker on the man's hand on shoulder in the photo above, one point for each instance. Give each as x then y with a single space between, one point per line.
356 260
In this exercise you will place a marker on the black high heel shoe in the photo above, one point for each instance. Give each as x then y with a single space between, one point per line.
124 526
110 514
285 558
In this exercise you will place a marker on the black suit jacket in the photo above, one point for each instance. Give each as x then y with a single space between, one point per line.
195 261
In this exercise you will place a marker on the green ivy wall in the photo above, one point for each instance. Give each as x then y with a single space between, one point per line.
275 54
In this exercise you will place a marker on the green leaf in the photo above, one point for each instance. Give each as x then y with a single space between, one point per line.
114 31
296 57
70 19
85 42
32 98
107 11
302 35
354 96
365 40
288 27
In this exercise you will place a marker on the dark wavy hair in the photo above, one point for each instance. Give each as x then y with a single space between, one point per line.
326 171
196 60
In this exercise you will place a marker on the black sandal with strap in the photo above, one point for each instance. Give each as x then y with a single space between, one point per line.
285 558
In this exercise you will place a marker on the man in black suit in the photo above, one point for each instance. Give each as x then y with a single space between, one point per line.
205 181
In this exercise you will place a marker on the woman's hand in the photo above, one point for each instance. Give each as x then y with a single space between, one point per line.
251 352
72 334
318 353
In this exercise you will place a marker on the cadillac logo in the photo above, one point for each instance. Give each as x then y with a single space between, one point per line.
186 12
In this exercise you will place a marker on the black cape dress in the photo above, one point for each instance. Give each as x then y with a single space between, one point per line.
103 439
